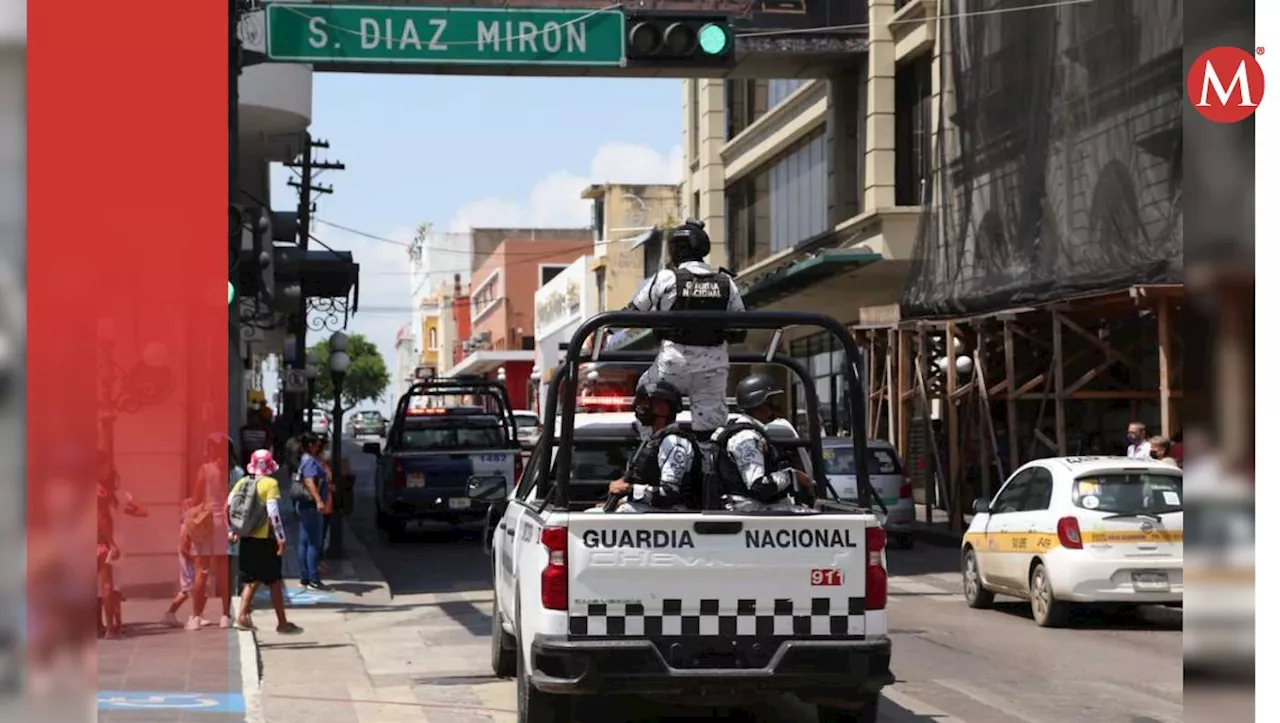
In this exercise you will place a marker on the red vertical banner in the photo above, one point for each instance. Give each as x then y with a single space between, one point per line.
127 345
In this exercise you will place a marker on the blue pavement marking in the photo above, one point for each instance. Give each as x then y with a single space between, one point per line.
293 596
151 700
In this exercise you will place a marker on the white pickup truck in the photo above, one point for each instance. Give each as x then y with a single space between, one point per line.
707 607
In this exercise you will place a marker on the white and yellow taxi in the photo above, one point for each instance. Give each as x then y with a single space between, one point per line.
1070 530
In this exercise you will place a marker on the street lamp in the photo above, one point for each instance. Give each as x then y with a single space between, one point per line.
339 364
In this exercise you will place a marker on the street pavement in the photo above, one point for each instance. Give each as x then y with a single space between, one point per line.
404 639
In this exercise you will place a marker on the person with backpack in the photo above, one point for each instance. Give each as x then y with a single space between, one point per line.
253 514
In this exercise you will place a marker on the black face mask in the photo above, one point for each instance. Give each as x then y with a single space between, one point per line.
644 413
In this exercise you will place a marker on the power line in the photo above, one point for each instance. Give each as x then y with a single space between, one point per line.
951 16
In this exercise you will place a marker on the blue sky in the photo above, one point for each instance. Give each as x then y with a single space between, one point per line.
458 151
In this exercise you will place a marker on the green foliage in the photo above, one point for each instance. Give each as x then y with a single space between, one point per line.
366 379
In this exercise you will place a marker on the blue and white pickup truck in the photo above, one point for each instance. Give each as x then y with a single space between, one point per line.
437 451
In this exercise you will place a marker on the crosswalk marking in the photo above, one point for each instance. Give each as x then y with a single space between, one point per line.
909 587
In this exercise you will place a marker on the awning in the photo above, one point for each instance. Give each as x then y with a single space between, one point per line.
482 362
788 279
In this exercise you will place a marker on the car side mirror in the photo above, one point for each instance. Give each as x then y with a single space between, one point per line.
372 448
981 506
489 488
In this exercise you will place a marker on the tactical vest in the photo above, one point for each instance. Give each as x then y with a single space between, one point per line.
699 292
727 468
643 469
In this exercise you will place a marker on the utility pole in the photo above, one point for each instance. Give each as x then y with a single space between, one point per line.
308 189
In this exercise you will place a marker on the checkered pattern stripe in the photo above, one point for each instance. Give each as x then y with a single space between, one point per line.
821 617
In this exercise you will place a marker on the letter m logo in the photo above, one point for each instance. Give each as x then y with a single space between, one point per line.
1225 84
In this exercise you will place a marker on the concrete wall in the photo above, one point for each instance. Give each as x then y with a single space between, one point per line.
630 210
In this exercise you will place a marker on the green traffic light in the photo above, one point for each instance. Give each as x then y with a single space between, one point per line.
713 39
231 292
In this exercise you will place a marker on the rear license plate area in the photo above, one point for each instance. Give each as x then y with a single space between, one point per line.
415 479
460 503
736 654
1150 582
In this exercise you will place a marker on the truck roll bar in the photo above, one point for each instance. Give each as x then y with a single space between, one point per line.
567 378
457 386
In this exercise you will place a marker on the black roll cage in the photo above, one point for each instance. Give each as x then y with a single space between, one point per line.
457 386
567 378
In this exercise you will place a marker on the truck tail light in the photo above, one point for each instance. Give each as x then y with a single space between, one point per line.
397 474
1069 533
555 576
877 575
905 492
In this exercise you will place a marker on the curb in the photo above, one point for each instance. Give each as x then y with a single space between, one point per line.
250 671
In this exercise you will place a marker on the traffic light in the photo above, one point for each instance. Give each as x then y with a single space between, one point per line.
679 40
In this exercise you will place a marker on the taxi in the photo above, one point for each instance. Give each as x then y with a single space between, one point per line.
1069 530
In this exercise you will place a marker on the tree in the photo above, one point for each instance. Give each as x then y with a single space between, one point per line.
366 379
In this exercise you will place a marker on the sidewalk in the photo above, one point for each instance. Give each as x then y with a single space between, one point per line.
169 675
364 657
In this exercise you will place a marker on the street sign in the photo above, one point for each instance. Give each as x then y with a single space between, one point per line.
372 34
159 700
295 380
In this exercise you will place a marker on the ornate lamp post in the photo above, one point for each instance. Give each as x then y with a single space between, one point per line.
339 363
312 371
126 391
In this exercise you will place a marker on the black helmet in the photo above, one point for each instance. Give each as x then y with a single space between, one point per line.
754 392
668 392
688 242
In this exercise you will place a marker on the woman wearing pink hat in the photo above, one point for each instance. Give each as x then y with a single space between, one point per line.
260 555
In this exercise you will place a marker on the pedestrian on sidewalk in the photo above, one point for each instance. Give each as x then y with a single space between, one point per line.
209 492
260 554
186 569
111 497
1139 447
1162 450
311 504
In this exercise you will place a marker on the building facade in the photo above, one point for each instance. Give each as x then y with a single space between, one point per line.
498 342
560 307
623 215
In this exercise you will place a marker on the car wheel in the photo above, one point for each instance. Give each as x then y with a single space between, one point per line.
975 593
502 645
1047 611
868 713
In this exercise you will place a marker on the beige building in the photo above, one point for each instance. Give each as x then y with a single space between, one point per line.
812 188
623 217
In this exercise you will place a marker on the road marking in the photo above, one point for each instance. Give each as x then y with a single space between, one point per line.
918 708
914 588
152 700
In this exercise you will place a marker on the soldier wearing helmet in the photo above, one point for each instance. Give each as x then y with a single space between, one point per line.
747 463
694 360
665 472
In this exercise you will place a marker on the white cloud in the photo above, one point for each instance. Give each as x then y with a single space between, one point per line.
555 200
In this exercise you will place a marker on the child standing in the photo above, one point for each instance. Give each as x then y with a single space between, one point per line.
186 568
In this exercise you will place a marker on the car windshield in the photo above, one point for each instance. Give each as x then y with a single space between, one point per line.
595 462
1129 493
525 421
370 416
423 435
840 461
